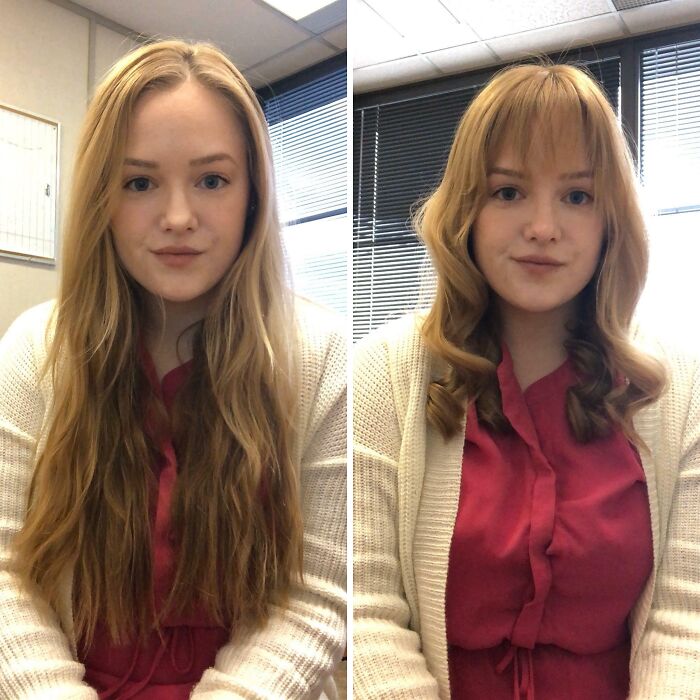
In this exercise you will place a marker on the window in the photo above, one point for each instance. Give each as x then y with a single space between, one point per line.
307 121
670 168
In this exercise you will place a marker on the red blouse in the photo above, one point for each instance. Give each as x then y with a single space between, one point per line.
164 669
551 549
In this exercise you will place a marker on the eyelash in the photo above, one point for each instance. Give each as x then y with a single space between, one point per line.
499 191
128 185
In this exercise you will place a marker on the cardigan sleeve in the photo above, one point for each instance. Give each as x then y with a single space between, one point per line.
35 657
387 658
667 664
293 656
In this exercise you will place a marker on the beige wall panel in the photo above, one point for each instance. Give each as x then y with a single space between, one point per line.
43 69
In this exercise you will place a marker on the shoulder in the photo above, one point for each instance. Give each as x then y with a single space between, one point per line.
321 336
391 372
318 321
29 333
322 367
680 360
23 349
672 422
396 348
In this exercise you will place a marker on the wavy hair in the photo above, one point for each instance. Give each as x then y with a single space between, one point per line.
549 104
236 510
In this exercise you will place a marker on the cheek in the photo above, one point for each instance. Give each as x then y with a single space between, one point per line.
482 244
125 237
588 260
476 249
595 247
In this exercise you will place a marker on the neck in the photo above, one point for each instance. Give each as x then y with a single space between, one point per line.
170 331
535 341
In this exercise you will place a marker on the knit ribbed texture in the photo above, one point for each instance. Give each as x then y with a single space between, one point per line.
294 655
406 490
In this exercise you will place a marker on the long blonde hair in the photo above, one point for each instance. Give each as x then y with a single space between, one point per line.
549 103
236 507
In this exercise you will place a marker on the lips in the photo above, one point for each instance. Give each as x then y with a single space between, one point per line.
543 260
176 250
177 256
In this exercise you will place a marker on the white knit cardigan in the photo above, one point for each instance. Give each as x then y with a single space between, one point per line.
293 656
406 490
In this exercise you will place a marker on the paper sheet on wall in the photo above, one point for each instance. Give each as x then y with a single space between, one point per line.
28 183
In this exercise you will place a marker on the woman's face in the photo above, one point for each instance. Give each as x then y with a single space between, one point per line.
180 217
537 240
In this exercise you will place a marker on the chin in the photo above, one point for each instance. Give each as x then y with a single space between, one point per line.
544 307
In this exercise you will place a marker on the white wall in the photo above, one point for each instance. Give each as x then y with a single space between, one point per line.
45 64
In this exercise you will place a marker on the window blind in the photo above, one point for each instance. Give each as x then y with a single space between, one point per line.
670 127
308 132
400 150
670 167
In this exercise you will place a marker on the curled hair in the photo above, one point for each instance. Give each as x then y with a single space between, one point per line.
552 104
236 510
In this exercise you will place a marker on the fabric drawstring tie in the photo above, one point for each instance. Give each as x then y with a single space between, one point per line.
178 633
523 672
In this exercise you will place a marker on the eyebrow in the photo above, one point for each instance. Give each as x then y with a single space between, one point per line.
577 175
204 160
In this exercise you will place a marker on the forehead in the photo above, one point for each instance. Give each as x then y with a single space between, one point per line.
186 115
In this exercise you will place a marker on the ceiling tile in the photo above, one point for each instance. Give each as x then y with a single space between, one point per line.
558 38
666 14
427 25
235 27
385 75
326 17
375 41
288 63
492 18
462 58
434 39
338 36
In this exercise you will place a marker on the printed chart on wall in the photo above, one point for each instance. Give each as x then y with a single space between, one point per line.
28 184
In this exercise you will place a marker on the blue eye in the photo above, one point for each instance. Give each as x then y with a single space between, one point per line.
579 197
213 182
506 194
138 184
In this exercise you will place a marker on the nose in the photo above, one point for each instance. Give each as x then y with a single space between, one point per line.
178 213
543 224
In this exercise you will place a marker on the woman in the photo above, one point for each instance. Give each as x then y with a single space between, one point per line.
172 428
525 492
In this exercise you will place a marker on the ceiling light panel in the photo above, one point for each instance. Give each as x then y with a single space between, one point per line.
297 9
